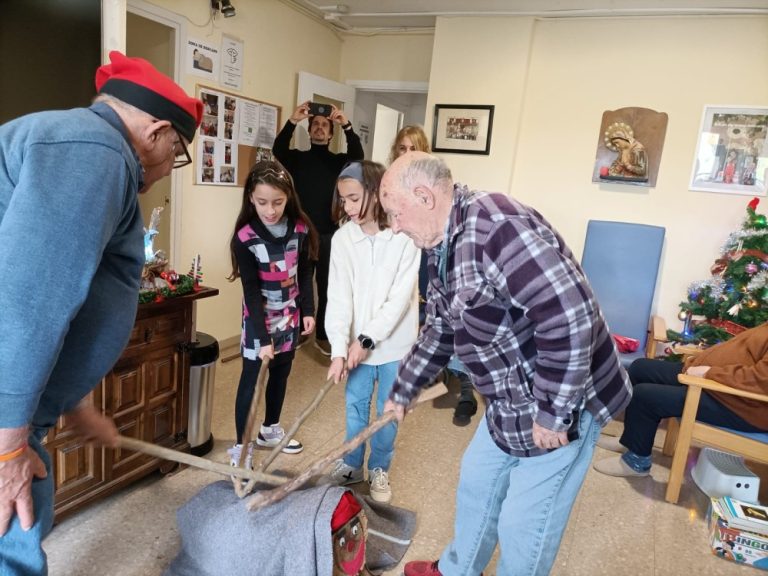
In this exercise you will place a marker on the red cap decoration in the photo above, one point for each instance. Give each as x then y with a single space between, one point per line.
136 82
348 508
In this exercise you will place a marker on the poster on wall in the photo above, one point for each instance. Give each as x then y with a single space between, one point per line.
732 151
216 160
203 59
232 62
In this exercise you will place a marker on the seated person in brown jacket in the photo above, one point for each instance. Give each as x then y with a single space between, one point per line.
740 363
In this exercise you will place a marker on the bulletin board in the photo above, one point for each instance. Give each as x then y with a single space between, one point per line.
235 133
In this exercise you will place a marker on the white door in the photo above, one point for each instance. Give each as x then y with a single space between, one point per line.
388 124
318 89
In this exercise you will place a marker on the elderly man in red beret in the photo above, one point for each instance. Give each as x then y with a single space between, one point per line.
71 252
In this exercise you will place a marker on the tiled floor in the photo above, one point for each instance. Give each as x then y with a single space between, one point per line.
617 527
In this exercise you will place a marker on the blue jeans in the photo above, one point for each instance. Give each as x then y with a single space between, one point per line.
359 394
21 553
521 503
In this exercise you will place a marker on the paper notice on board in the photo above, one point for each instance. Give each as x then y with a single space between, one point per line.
232 62
249 123
267 126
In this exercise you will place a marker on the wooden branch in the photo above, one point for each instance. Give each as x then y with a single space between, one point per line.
299 421
156 451
240 490
276 494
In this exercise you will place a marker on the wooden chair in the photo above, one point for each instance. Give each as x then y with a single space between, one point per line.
681 433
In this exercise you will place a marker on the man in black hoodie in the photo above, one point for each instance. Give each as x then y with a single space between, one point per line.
314 173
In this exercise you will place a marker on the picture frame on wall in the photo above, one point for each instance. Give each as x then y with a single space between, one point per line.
462 128
732 151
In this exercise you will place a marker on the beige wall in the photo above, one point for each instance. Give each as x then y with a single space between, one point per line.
279 42
550 82
389 57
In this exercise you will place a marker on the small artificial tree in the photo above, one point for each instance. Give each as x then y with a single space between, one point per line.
736 296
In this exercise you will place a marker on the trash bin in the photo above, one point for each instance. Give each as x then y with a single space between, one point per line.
203 354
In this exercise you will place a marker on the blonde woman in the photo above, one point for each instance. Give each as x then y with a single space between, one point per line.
408 139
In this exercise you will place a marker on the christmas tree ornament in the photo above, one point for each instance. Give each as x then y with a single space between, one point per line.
735 297
687 326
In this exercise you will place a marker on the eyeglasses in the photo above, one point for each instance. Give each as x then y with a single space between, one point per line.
182 158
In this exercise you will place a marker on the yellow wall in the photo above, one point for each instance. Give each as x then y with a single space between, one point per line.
551 80
278 42
390 57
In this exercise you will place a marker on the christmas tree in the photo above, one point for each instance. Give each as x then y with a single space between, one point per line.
736 296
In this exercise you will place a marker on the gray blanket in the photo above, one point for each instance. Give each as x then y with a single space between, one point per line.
220 537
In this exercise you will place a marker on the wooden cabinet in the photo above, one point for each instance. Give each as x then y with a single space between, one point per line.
147 395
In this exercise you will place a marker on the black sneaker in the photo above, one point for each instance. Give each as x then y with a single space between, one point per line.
464 411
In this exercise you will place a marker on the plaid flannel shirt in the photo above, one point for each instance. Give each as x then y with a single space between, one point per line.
517 309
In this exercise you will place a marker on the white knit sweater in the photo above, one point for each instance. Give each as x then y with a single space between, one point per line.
372 290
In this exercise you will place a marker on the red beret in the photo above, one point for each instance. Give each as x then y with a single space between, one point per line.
347 508
136 82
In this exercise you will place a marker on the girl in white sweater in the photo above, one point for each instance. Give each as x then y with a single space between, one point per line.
372 317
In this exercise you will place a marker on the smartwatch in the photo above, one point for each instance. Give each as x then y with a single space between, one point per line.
366 342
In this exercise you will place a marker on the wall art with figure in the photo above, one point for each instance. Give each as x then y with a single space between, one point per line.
629 146
732 152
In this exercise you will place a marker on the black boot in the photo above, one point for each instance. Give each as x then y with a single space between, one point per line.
467 405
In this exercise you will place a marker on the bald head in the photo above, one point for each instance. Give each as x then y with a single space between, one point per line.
415 168
417 194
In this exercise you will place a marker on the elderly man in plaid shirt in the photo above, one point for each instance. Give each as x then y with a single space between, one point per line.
507 295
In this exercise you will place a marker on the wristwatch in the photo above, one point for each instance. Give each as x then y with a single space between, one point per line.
347 126
366 342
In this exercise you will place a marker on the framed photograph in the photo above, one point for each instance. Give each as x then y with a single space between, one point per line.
462 128
732 151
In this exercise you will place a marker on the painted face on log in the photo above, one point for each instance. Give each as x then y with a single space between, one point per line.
349 547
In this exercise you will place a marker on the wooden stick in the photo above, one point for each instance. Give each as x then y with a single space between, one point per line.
299 421
240 490
230 357
276 494
164 453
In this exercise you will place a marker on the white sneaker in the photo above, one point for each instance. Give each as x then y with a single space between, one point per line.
234 455
270 436
379 481
344 474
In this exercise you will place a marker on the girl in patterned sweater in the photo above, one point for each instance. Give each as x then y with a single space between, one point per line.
270 250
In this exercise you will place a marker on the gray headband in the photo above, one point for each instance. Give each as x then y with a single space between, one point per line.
353 171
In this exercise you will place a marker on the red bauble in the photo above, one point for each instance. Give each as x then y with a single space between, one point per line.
604 171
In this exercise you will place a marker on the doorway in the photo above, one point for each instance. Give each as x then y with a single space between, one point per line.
153 42
411 104
322 90
155 35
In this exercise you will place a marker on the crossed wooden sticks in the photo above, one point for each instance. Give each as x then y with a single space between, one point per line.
283 486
